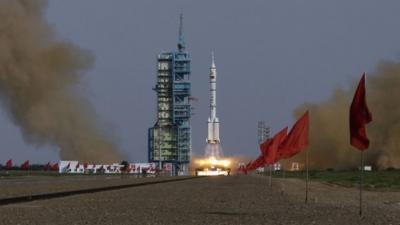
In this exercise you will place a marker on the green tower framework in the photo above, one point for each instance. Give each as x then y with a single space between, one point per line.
169 140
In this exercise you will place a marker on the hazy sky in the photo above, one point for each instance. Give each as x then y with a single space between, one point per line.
271 56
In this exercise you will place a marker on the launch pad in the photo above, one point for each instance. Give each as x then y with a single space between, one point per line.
214 163
212 166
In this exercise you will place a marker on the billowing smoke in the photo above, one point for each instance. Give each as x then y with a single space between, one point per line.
329 124
39 77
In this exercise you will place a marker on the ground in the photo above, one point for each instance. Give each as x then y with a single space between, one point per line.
373 180
212 200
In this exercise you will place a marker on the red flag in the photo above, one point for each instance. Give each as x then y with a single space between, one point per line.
271 156
247 167
359 117
55 167
85 165
251 167
257 163
25 165
296 140
47 166
9 164
265 145
241 168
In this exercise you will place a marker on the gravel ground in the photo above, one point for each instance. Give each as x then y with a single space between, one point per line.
31 185
212 200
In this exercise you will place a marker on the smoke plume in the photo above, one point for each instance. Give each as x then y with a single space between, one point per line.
329 124
39 78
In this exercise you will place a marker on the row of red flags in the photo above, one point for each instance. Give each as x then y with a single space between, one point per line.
285 145
25 165
282 145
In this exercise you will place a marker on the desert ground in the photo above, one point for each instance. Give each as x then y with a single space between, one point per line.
237 199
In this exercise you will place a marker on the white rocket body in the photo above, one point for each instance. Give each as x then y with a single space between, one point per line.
213 122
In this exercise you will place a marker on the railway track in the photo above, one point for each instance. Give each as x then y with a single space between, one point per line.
61 194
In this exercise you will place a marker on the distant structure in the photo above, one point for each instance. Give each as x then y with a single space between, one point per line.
169 140
213 121
263 132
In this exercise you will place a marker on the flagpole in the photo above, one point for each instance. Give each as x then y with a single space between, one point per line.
270 175
361 180
306 176
359 117
362 170
283 176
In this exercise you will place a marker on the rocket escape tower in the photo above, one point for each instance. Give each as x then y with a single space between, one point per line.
169 140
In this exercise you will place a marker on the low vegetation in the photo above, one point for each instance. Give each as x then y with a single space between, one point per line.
375 180
15 173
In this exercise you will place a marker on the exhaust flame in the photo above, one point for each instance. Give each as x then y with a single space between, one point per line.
213 162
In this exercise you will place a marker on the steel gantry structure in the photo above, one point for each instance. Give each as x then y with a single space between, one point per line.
169 140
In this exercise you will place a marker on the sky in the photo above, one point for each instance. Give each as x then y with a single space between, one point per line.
271 57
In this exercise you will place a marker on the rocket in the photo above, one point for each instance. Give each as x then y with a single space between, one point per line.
213 122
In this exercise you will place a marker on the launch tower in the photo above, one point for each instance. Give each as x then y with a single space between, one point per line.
169 140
